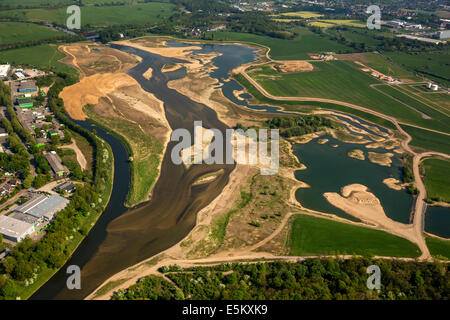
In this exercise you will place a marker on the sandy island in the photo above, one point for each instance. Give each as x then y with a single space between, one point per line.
357 154
395 184
383 159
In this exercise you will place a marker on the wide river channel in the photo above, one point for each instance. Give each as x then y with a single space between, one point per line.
124 236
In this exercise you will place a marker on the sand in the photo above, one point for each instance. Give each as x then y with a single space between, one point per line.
383 159
148 74
171 52
293 66
322 141
394 184
90 89
357 154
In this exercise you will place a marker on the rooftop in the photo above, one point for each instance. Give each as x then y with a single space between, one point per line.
13 227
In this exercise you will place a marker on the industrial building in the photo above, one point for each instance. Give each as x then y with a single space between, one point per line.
55 162
27 86
14 229
4 70
43 208
68 187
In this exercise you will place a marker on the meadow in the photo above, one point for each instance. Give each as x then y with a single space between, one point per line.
316 236
433 64
42 57
56 3
437 177
99 16
343 81
348 23
302 14
16 32
298 48
439 247
428 140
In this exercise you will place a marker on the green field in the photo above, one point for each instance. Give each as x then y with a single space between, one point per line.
433 64
42 57
381 64
316 236
99 16
439 247
298 48
16 32
47 3
428 140
437 179
343 81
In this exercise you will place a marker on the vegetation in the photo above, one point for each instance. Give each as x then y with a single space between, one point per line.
428 140
437 177
345 82
439 248
43 57
312 279
316 236
299 125
98 15
15 32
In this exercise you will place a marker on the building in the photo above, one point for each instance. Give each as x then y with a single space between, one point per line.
68 187
444 34
27 86
55 162
4 70
43 207
13 229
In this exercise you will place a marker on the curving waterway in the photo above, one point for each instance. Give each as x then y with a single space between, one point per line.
123 237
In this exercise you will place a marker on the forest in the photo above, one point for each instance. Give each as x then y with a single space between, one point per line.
299 125
311 279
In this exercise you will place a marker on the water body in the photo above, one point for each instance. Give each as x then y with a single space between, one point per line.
437 221
329 169
128 236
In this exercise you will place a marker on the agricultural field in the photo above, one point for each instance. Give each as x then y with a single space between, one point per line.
434 64
99 16
55 3
305 42
336 22
428 140
345 82
16 32
436 179
439 247
43 57
316 236
301 14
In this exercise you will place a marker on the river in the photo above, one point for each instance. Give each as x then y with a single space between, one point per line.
123 237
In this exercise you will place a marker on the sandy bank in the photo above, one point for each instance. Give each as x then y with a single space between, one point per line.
394 184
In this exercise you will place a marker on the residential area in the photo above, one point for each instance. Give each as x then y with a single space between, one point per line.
39 160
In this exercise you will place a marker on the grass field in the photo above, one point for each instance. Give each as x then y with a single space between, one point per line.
42 57
436 100
15 32
437 179
381 64
428 140
298 48
321 24
343 81
439 247
434 64
316 236
99 16
302 14
47 3
348 23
